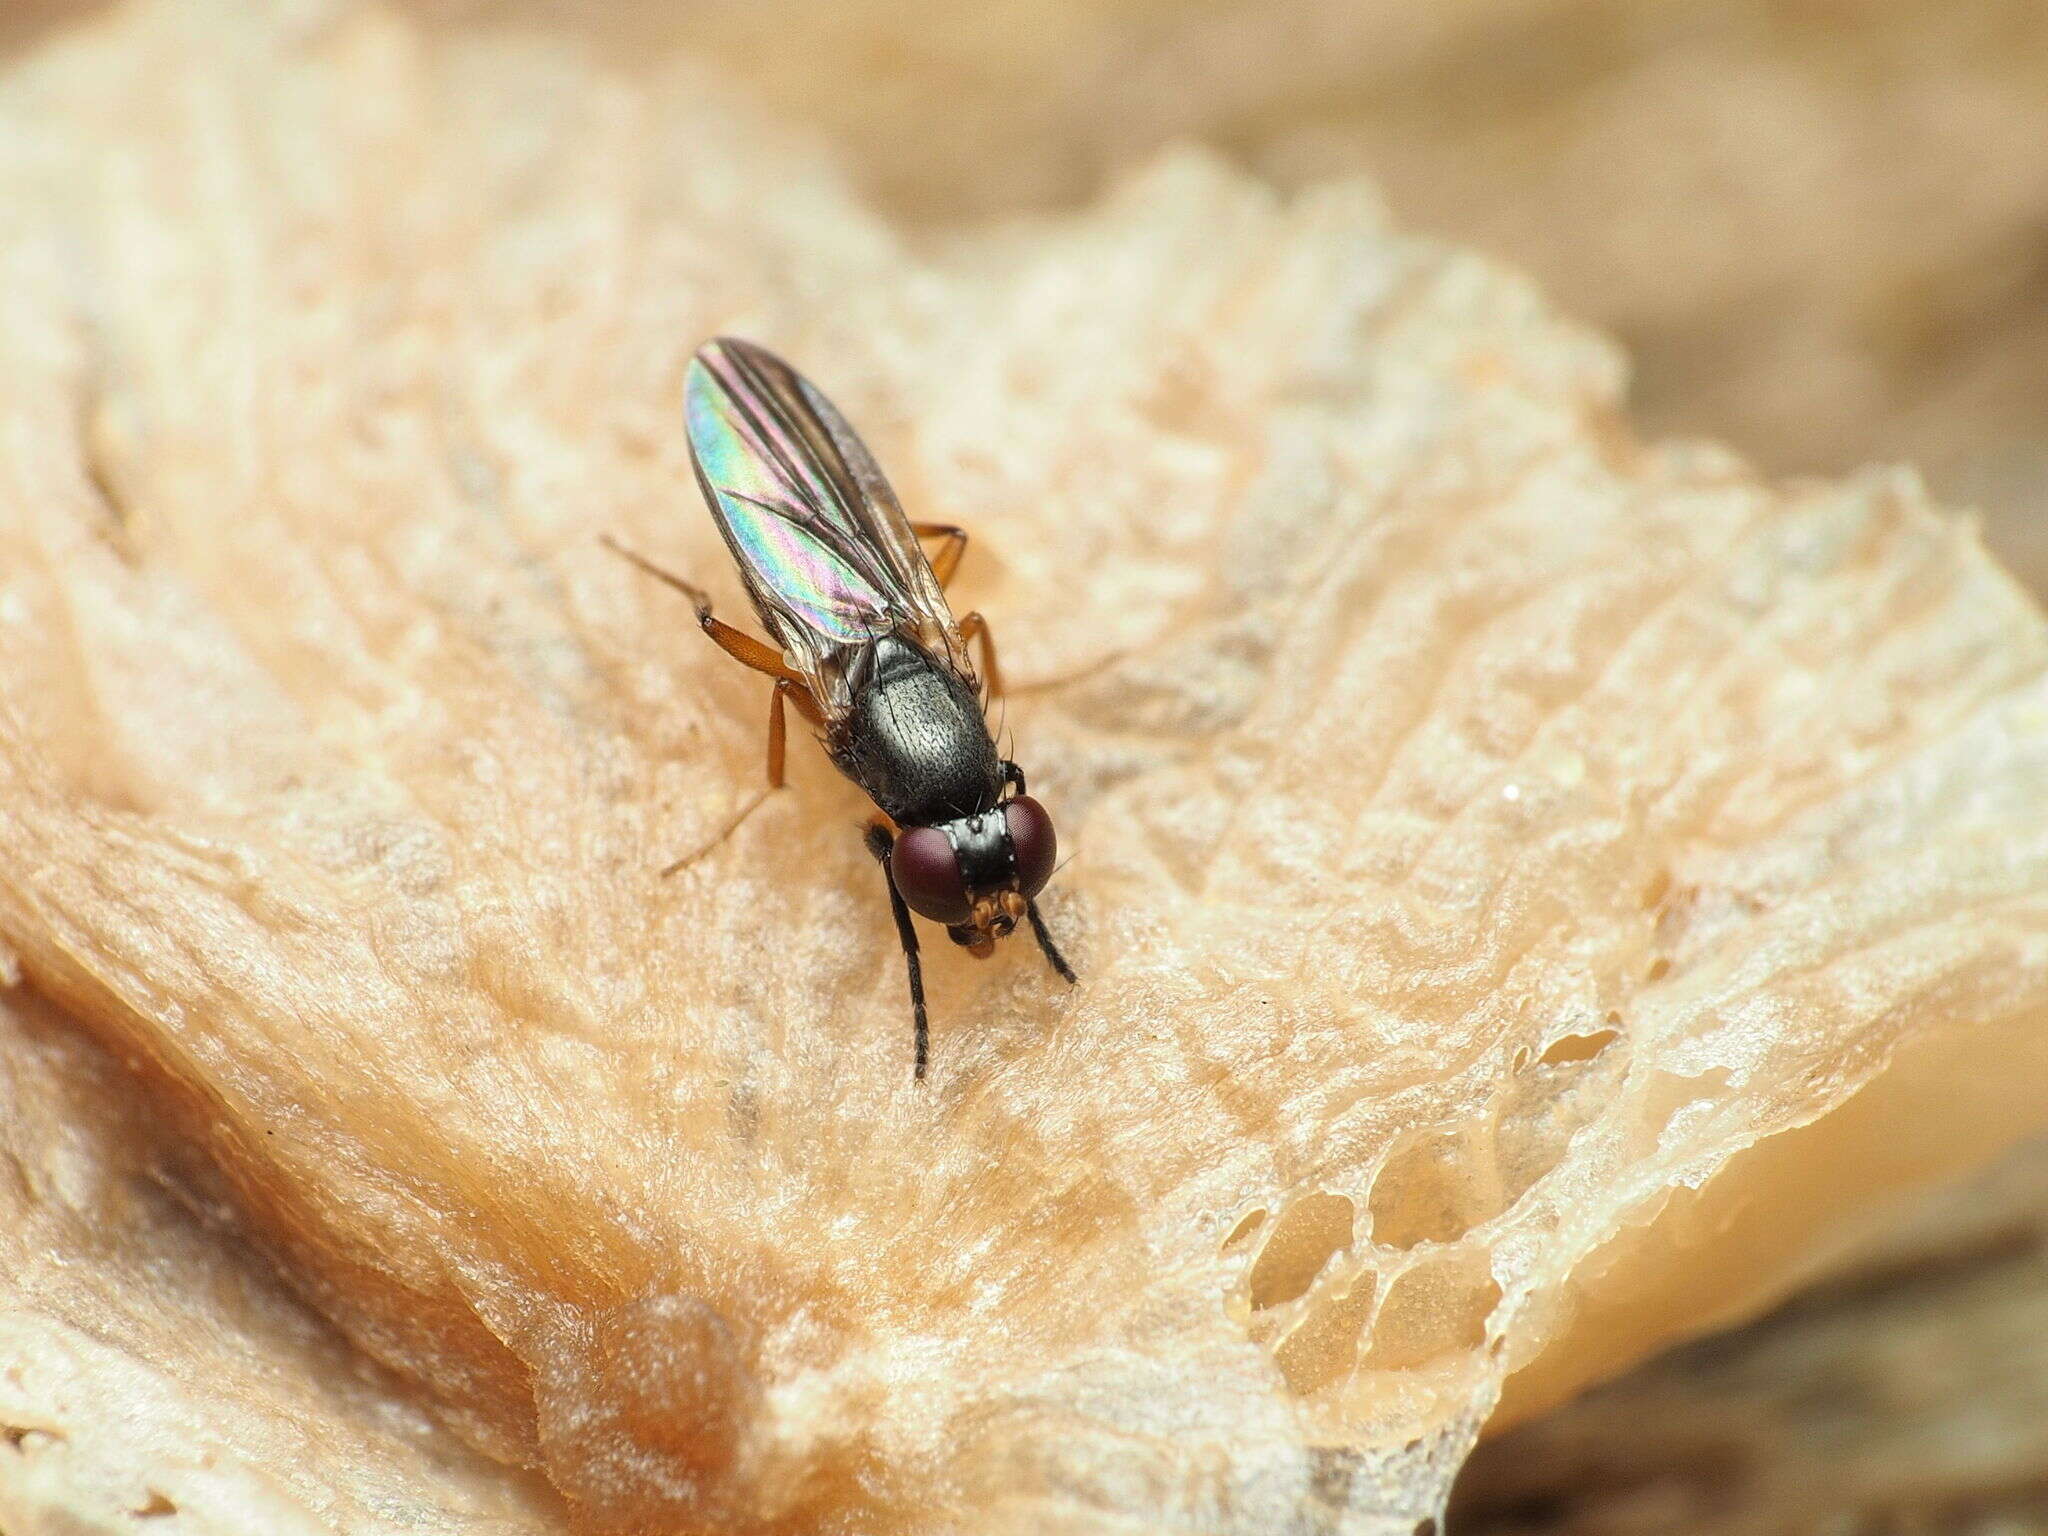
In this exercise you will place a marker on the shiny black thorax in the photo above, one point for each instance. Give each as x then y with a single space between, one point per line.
916 739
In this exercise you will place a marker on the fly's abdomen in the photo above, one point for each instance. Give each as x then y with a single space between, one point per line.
916 740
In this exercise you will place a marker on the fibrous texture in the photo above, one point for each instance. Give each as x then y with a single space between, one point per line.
151 1368
1529 887
1905 1391
1819 240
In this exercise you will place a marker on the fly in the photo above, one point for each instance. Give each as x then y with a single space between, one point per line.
867 650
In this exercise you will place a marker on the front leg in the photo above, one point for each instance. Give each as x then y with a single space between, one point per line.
881 842
1053 957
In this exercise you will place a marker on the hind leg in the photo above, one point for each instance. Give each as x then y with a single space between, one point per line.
740 646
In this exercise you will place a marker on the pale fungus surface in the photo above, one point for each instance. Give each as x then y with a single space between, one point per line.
1532 891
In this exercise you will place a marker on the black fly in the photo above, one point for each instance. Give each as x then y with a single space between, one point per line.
867 650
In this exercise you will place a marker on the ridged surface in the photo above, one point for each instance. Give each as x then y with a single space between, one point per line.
1528 888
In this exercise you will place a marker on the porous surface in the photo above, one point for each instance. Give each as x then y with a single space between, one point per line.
1530 889
1907 1391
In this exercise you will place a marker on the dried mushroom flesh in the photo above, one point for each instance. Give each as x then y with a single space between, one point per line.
1529 885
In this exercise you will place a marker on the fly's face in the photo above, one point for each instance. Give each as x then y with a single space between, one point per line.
977 874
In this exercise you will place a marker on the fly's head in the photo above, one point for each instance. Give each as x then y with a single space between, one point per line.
977 874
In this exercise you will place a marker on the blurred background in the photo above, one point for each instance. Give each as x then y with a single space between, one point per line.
1820 228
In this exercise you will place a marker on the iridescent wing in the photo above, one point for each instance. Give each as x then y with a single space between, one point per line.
825 550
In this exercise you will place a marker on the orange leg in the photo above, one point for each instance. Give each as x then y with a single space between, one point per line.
741 647
778 726
947 560
972 627
749 652
944 564
786 692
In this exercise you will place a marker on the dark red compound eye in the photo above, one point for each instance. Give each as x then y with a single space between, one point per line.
1032 837
928 875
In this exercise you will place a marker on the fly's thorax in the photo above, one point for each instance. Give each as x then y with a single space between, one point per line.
914 737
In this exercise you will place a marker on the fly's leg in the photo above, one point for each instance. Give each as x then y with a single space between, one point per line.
740 646
1053 956
749 652
944 564
778 738
880 842
947 560
974 627
778 727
